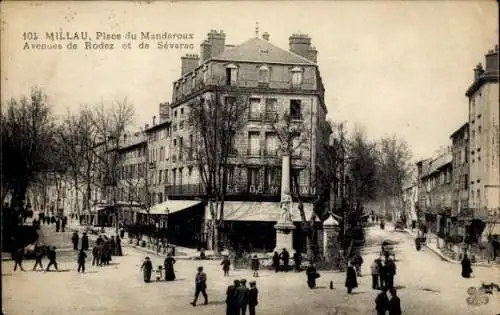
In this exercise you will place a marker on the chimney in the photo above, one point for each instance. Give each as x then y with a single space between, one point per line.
492 60
154 120
164 111
478 70
300 44
218 42
312 54
265 36
205 50
189 63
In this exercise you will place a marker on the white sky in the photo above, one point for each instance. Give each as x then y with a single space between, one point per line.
393 67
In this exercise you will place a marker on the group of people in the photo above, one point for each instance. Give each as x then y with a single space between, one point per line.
168 266
383 273
104 248
39 253
284 257
84 241
239 297
383 304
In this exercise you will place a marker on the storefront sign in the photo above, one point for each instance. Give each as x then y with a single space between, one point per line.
273 189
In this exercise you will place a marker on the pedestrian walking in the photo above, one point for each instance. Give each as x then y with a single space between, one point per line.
74 240
350 282
382 270
95 256
253 297
276 262
394 303
285 256
297 259
118 244
147 268
168 264
225 265
52 258
200 286
382 302
81 260
85 241
232 306
311 274
122 232
375 274
58 225
112 246
390 272
18 256
64 223
255 265
242 292
466 267
39 253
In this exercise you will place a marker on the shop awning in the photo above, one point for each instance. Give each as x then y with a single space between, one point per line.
96 209
172 206
261 211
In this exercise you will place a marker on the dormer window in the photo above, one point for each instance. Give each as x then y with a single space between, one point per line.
297 74
264 74
231 74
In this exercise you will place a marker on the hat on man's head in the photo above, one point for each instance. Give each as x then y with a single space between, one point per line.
252 282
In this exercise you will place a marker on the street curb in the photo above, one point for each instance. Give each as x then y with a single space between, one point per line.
438 252
187 257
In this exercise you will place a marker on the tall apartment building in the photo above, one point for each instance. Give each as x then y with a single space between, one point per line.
434 193
132 190
460 186
484 121
276 81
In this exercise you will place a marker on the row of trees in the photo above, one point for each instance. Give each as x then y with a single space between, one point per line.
81 147
39 148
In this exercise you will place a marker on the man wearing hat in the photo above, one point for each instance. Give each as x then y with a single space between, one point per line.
242 293
232 306
253 295
201 286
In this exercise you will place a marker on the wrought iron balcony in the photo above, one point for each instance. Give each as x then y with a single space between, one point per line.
255 116
271 116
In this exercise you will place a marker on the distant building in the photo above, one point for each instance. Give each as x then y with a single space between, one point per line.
435 198
484 159
460 187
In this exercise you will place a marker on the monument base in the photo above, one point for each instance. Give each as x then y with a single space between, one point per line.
284 237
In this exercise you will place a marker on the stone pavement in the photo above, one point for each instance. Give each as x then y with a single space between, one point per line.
426 285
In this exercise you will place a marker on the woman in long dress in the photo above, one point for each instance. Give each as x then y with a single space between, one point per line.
169 268
147 268
351 282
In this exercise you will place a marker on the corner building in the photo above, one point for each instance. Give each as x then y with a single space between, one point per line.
276 81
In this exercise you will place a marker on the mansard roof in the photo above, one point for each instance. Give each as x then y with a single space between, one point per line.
261 51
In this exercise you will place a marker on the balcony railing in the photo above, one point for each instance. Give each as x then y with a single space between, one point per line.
185 190
271 116
256 116
254 152
271 152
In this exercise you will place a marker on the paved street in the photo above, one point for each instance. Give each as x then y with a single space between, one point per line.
427 285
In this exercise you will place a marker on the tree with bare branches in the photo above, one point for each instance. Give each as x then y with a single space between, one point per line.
394 169
110 124
28 132
216 119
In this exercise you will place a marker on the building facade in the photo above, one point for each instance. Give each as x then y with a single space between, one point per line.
460 210
435 196
484 121
274 81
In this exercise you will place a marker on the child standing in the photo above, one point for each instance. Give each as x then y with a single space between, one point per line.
81 260
255 266
253 296
225 266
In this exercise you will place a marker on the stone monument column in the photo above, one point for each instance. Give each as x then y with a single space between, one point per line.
284 227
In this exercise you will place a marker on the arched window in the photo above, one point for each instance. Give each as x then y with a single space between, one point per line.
264 74
297 74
